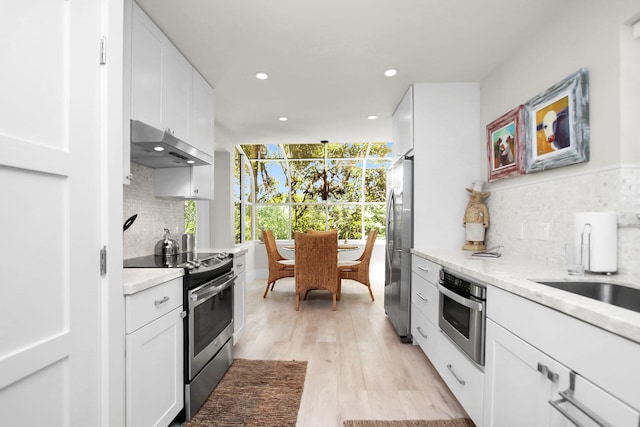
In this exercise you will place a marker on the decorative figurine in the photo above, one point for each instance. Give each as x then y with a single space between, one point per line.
476 218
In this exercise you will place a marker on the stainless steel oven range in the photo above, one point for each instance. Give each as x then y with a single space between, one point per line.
462 314
208 302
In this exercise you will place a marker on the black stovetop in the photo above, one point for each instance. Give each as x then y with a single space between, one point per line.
174 261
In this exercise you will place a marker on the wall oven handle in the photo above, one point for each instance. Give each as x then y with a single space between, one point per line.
474 305
209 291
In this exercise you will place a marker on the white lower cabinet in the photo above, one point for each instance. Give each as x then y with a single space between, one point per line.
463 377
154 355
240 268
520 381
524 374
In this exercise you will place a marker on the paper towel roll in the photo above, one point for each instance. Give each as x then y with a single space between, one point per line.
600 231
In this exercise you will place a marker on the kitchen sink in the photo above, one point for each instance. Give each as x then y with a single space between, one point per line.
614 294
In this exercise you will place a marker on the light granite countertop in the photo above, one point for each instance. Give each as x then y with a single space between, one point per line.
138 279
519 276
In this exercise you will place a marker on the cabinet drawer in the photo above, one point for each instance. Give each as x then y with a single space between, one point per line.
424 296
463 377
425 268
143 307
425 334
239 264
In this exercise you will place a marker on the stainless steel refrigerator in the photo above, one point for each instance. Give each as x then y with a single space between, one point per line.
397 286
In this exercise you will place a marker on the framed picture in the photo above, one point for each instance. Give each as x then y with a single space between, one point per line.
557 125
505 151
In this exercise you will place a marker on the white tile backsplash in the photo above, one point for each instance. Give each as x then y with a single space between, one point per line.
154 214
554 202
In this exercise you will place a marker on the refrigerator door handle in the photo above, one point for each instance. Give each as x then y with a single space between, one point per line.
390 245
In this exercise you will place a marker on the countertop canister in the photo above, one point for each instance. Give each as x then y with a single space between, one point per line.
188 242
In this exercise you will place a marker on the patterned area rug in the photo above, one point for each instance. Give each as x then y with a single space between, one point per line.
254 393
457 422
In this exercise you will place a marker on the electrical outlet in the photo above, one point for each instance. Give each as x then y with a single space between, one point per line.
542 231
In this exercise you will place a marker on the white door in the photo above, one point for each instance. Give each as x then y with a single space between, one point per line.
50 308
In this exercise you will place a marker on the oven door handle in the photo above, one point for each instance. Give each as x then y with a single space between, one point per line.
474 305
208 292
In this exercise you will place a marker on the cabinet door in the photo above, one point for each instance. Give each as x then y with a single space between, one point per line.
202 182
519 381
201 122
154 360
402 125
146 64
184 183
176 91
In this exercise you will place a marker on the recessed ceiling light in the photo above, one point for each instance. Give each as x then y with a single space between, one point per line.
191 161
283 118
262 76
158 148
390 72
372 117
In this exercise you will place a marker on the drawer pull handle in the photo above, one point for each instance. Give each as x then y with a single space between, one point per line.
450 368
422 268
420 330
544 370
422 297
161 301
567 396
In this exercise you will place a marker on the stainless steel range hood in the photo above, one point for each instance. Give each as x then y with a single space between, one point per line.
156 149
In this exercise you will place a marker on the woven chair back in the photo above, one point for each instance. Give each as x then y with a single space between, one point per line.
316 261
368 249
270 245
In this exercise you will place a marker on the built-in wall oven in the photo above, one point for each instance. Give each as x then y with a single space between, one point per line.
462 314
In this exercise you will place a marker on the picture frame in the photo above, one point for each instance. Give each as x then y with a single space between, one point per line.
557 125
505 145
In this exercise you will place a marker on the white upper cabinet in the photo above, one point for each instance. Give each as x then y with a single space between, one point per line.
167 92
202 114
176 92
193 182
402 125
146 64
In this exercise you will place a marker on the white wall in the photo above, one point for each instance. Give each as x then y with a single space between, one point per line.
446 151
588 34
222 220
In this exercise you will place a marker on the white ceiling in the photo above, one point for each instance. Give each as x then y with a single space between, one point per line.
326 58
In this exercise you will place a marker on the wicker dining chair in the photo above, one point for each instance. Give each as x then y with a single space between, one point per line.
316 264
279 266
358 269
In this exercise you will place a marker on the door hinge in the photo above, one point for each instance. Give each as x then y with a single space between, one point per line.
103 50
103 261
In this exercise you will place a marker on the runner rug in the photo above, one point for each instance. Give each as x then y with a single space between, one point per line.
457 422
254 393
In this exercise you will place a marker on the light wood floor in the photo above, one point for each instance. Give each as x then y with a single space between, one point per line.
357 366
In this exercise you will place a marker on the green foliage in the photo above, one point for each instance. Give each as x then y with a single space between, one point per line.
332 185
190 217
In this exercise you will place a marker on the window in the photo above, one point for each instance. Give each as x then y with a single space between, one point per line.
295 187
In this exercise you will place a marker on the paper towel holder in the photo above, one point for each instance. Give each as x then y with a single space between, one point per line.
588 263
